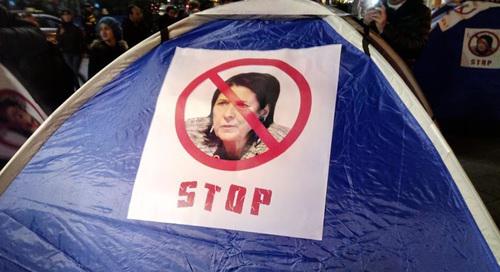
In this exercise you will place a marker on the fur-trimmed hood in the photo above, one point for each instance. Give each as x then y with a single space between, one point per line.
100 44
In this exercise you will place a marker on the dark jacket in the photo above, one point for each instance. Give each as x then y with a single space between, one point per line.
164 21
101 54
36 63
70 39
90 21
134 33
407 29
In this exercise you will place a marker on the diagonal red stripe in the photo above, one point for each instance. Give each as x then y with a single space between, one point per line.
251 118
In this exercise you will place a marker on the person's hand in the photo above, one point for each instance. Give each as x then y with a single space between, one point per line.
377 15
368 18
380 19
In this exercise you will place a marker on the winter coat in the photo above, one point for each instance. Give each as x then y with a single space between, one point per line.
196 128
70 39
101 54
407 29
164 21
134 33
36 63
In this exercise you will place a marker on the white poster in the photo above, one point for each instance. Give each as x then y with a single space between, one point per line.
20 115
480 48
241 140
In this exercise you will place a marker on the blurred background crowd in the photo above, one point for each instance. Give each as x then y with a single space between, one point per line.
89 34
94 33
49 48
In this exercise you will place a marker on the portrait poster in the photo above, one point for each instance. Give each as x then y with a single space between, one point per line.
20 115
241 140
481 48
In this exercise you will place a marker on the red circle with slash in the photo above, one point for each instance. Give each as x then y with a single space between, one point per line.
275 148
495 44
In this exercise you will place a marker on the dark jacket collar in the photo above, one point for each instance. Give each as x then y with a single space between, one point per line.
406 9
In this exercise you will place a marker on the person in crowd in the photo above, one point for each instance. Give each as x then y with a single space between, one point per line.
104 12
108 47
71 42
90 21
38 64
134 28
170 17
403 24
172 12
28 16
193 7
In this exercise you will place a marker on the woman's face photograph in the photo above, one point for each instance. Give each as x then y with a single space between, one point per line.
483 46
225 133
22 119
228 124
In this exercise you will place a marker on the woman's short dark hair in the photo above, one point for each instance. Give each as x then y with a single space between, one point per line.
267 89
130 8
486 38
113 24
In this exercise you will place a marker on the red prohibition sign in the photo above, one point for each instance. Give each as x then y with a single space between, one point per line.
463 9
275 148
488 33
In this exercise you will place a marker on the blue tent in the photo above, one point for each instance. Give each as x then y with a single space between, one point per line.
397 198
462 94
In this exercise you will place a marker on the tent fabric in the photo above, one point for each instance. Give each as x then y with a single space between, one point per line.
397 198
262 8
460 96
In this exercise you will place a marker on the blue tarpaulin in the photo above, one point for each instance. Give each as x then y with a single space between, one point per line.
392 204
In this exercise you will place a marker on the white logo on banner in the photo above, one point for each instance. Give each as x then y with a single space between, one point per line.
480 48
241 140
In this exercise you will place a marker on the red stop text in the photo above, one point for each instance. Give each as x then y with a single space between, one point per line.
234 199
